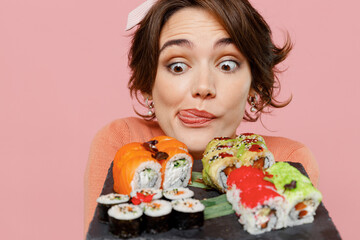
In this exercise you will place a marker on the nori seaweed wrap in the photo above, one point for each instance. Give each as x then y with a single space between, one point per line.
187 213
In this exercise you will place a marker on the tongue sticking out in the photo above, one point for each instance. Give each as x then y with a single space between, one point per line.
193 116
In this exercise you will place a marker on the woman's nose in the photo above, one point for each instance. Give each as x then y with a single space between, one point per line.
204 85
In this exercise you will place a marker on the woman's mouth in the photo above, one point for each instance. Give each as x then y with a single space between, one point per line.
195 118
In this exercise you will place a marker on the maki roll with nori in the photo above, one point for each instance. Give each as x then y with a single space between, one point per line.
105 202
177 193
302 197
187 213
157 216
125 220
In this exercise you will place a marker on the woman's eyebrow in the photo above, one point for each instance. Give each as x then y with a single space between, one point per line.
177 42
223 42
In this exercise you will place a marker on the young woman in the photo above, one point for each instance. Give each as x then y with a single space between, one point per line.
197 63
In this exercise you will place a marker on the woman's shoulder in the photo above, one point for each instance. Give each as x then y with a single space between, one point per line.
130 129
288 150
285 145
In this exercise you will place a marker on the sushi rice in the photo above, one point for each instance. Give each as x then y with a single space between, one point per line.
178 171
147 176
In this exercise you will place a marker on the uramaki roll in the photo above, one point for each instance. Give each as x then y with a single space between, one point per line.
135 168
261 209
252 151
255 200
219 160
176 162
215 171
302 197
240 180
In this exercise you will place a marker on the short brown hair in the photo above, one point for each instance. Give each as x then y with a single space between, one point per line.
247 29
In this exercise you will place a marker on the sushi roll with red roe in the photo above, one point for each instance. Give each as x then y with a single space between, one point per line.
261 210
157 216
125 220
242 179
105 202
257 203
187 213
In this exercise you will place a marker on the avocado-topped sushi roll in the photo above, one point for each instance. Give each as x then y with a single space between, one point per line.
302 197
105 202
177 193
125 220
157 216
252 151
188 213
219 159
223 155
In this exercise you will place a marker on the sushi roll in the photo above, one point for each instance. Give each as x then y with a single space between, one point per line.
261 209
188 213
219 160
177 193
242 179
223 155
219 143
176 162
255 200
105 202
157 216
302 197
156 193
125 220
134 168
252 151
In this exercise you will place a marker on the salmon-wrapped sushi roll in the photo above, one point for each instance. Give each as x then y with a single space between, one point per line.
176 162
135 168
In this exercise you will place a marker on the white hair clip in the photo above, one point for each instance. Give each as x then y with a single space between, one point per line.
136 15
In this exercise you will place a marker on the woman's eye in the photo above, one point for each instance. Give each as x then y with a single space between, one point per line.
228 66
178 68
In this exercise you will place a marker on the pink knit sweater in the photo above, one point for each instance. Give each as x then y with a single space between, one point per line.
122 131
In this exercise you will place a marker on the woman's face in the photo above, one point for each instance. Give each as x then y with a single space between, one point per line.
202 81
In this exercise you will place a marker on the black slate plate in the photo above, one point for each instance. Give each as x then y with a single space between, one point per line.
226 227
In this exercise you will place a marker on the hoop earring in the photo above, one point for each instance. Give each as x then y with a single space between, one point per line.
150 107
253 101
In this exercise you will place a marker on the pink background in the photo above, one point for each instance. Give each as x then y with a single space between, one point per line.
63 75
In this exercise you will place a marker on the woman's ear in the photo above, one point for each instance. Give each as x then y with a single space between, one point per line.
146 96
252 92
